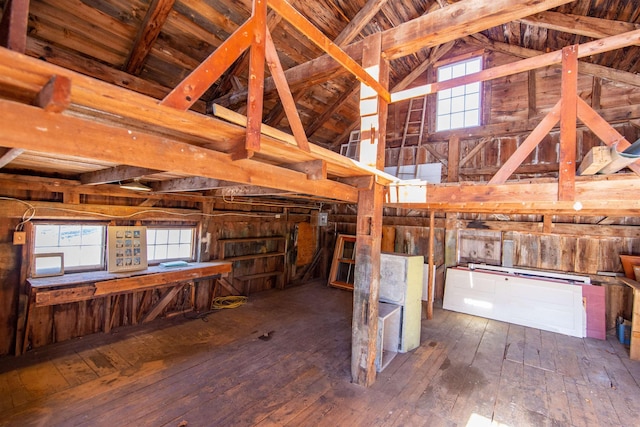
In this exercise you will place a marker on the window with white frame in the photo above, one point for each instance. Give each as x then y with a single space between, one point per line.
170 244
459 107
82 244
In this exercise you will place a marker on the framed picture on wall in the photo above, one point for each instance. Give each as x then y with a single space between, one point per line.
127 248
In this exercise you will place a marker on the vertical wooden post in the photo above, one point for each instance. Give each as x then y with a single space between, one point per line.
596 93
13 25
568 120
256 79
453 163
373 112
451 240
430 289
531 89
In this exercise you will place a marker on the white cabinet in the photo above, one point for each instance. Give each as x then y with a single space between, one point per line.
401 283
547 304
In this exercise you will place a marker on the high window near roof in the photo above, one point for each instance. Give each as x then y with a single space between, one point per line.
459 107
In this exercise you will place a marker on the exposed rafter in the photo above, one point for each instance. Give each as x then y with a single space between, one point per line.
155 18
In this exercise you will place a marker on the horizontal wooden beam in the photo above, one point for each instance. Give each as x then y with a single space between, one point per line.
54 185
577 24
115 174
584 67
31 128
536 227
55 211
191 183
594 196
546 59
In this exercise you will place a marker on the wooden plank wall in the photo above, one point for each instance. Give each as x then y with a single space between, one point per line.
66 321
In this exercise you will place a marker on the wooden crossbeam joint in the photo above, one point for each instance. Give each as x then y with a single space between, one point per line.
55 95
303 25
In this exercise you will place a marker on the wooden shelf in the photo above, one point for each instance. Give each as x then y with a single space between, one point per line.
255 256
250 239
251 251
259 275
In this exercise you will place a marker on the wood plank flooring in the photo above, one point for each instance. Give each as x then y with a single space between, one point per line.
283 359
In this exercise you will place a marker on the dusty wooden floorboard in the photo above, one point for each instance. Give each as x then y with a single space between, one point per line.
283 360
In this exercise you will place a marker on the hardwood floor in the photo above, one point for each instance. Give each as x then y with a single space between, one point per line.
284 359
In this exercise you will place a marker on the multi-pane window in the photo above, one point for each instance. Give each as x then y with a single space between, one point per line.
459 107
166 244
82 244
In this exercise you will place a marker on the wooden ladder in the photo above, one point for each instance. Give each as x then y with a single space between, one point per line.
413 127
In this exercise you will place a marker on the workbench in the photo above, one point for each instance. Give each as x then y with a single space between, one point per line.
47 291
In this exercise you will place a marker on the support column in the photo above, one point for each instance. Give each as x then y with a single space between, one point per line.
568 120
373 112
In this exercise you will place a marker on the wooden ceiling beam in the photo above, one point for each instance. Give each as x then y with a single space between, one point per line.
455 21
588 26
198 82
64 58
33 129
359 21
115 174
546 59
248 191
438 27
583 67
13 25
191 183
148 33
54 211
307 29
55 185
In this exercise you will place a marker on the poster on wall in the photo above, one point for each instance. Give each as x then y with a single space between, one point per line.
127 249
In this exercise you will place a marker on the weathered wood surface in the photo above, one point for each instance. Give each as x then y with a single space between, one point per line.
466 368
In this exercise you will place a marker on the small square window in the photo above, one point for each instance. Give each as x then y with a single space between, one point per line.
170 244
